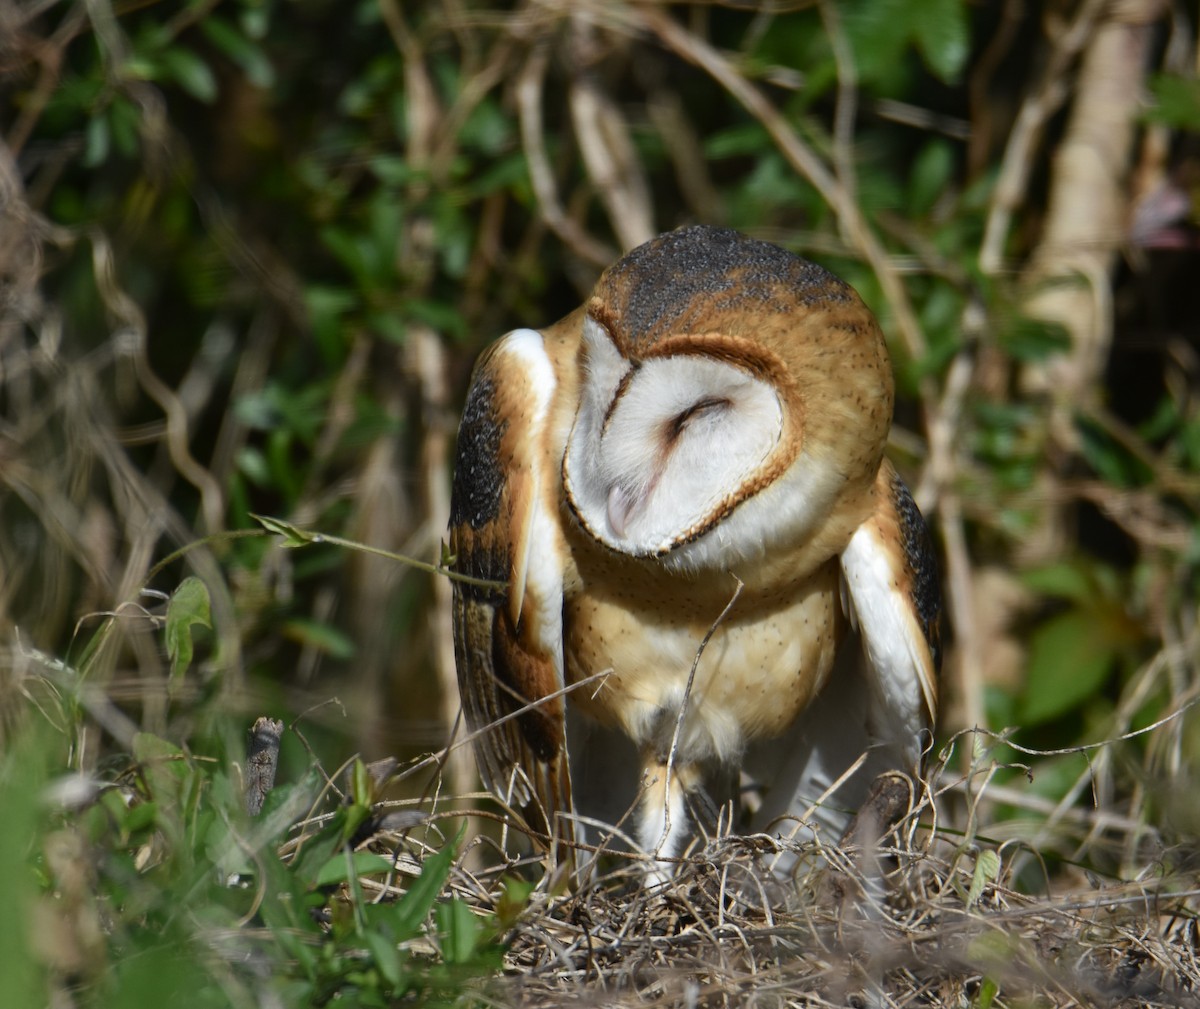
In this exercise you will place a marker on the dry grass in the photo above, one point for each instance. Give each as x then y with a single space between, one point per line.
934 915
715 938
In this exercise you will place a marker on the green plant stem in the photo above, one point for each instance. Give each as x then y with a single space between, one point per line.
306 538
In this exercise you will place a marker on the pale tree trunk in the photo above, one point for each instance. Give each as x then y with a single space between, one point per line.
1068 277
1069 272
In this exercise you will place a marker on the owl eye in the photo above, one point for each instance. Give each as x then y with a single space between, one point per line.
709 404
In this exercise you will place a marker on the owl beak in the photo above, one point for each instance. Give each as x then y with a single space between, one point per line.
620 505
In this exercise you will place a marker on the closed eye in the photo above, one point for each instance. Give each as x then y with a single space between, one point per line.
675 426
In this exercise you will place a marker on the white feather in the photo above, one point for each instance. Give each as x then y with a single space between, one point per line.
894 646
529 348
541 569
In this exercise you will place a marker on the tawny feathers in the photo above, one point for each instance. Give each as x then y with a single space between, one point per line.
710 424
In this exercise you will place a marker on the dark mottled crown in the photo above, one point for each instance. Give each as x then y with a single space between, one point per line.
683 280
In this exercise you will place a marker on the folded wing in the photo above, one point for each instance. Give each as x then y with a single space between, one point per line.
508 634
893 596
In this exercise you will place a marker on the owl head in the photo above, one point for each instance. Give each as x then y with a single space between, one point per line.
734 398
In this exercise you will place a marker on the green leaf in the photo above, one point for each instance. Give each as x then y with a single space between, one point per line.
148 747
390 169
138 817
1068 661
189 606
253 466
354 252
325 639
460 931
1064 580
988 990
256 20
327 308
1028 339
140 68
284 805
996 949
126 125
326 846
1177 101
1112 460
447 318
312 859
987 870
487 129
339 867
96 145
241 50
386 956
1162 422
746 138
931 173
164 768
190 72
285 910
503 173
388 326
879 31
1055 776
942 36
411 910
362 788
24 760
293 536
941 318
514 898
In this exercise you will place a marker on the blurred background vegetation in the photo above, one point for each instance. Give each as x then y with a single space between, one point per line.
249 250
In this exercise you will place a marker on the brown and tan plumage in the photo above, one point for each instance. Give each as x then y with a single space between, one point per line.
715 414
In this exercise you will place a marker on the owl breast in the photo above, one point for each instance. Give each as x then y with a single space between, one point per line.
765 662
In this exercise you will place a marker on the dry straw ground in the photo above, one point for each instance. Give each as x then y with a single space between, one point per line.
930 914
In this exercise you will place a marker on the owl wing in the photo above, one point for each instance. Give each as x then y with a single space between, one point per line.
881 698
504 529
892 595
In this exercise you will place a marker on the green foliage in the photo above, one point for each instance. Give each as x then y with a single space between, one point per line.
1176 102
189 607
1073 653
147 883
988 990
23 774
987 870
883 29
1026 339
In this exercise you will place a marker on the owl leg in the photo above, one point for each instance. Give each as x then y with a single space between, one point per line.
679 801
664 827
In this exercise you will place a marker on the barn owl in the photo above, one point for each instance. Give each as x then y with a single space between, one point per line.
709 427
